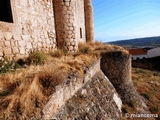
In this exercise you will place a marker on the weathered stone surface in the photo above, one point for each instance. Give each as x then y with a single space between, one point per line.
7 35
17 37
60 22
7 43
1 43
7 51
1 53
96 100
29 45
22 50
21 43
15 50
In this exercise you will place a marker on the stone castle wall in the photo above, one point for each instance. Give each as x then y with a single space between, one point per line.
44 25
33 28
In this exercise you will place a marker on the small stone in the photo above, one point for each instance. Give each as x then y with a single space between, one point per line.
1 53
25 37
22 50
66 3
29 45
15 50
1 43
7 43
7 35
21 43
7 51
17 37
1 35
70 48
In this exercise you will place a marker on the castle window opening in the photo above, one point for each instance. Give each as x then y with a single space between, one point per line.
5 11
80 32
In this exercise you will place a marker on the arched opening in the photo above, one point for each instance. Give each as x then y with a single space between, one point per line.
5 11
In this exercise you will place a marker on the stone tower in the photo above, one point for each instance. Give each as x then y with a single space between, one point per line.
74 23
89 20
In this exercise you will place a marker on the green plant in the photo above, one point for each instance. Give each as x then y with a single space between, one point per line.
147 96
139 71
4 92
58 53
7 65
84 49
131 103
154 109
36 57
65 52
155 74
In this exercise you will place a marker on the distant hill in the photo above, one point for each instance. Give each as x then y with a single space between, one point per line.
147 42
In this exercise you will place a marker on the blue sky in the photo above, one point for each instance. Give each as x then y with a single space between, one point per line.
126 19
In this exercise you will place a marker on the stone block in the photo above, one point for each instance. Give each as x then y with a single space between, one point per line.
1 43
17 37
7 43
29 45
15 50
22 50
66 3
12 43
70 48
7 35
1 35
7 51
25 37
1 53
21 43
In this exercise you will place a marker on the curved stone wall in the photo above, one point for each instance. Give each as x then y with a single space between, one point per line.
69 18
117 67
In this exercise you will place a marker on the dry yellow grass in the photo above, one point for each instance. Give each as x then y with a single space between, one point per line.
147 84
24 93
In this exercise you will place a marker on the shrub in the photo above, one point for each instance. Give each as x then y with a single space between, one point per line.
154 109
7 65
58 53
36 57
147 96
84 49
131 103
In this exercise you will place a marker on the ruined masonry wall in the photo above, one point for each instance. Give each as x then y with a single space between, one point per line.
92 96
33 28
96 100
